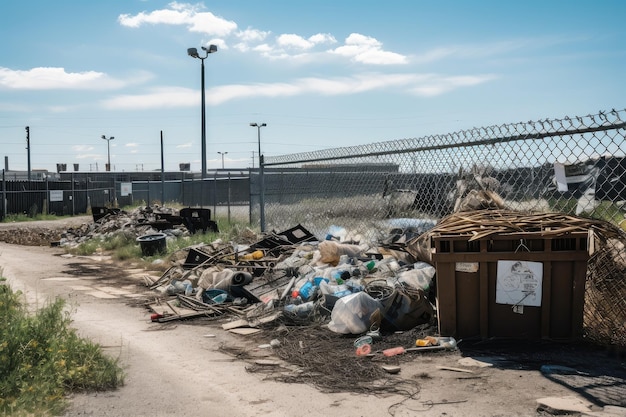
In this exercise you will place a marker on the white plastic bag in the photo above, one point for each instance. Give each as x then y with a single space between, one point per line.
351 314
420 277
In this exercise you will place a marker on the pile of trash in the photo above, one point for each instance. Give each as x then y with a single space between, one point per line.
141 221
350 286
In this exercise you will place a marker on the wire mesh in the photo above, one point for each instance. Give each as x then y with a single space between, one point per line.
574 165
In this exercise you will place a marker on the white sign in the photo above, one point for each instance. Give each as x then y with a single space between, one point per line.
560 176
56 195
126 188
519 283
466 267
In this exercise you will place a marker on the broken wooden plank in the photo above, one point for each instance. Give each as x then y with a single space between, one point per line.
450 368
235 324
244 331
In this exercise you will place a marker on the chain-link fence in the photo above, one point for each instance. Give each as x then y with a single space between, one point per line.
574 165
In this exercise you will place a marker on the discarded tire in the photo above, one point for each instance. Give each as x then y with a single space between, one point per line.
152 244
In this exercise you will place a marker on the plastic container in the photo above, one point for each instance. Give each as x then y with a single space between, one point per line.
363 340
447 342
308 291
214 296
153 244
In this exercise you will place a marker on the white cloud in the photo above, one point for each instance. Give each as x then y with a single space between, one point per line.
293 41
163 97
437 85
322 38
358 48
131 145
182 14
82 148
252 35
367 50
435 55
184 145
48 78
424 85
89 156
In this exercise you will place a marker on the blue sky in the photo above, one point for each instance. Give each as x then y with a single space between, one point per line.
321 74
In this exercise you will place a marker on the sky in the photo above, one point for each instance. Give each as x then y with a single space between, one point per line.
320 73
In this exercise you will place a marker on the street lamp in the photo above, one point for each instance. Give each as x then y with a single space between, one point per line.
108 151
222 153
261 179
193 52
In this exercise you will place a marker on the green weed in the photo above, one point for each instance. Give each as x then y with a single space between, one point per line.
42 359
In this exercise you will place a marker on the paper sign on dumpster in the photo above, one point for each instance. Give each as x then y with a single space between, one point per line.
519 283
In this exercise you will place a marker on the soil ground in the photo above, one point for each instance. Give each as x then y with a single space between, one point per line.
181 368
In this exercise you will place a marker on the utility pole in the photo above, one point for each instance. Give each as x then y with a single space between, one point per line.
28 149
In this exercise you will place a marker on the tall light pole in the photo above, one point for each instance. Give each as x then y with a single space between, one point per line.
261 179
193 52
222 153
108 150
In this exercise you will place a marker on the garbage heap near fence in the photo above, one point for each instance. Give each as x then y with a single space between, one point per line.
291 277
374 289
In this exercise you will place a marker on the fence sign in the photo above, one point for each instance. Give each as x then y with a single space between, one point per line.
126 188
56 195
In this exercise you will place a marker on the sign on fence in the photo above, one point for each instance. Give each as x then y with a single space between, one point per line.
56 195
126 188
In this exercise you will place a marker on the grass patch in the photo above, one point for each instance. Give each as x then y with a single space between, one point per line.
123 245
15 218
42 359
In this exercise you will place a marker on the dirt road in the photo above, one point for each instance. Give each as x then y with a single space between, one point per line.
177 369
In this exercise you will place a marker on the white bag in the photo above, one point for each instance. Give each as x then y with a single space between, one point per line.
351 314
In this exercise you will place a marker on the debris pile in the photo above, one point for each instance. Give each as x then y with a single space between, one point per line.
354 286
339 313
139 222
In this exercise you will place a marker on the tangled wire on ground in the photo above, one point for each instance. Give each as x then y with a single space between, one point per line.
327 360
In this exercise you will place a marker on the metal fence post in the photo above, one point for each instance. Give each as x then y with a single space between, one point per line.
228 201
73 197
214 193
262 192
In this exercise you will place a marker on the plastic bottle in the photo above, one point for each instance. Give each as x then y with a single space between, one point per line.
301 310
354 285
341 291
308 291
339 276
371 265
220 298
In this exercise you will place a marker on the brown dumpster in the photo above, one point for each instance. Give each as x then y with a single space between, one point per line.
512 285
